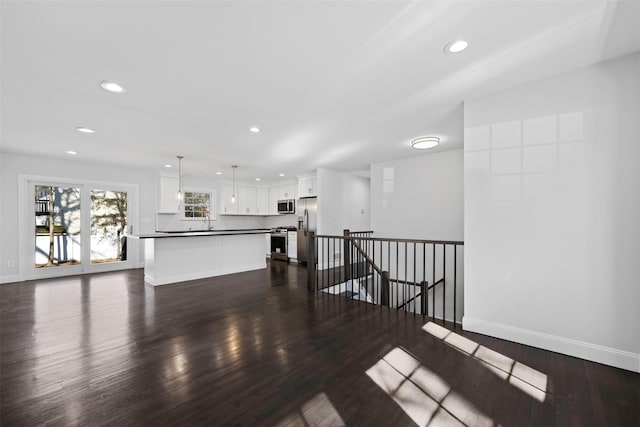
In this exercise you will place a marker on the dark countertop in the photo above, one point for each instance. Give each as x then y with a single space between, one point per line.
164 234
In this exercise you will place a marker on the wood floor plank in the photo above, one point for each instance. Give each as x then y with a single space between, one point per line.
255 349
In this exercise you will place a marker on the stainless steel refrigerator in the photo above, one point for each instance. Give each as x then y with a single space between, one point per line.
307 210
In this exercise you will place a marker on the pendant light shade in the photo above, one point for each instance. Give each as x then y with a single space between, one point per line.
233 191
179 195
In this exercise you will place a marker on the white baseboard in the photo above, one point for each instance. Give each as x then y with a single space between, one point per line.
584 350
9 278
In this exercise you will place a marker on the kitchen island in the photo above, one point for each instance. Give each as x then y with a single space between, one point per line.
171 257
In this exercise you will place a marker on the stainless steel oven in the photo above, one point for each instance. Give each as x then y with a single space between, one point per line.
279 244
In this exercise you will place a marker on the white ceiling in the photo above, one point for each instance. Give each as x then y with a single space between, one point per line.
334 84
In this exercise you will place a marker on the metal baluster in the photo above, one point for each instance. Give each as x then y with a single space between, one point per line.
433 283
455 275
444 281
397 275
424 277
415 291
404 286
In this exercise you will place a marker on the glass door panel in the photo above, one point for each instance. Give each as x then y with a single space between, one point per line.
108 217
57 226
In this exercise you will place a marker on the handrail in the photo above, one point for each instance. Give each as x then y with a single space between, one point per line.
367 258
355 260
408 301
406 282
436 283
361 232
389 239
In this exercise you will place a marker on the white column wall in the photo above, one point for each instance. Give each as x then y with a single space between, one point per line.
343 202
419 197
552 213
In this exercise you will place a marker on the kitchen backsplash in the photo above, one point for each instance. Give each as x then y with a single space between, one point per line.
282 221
224 222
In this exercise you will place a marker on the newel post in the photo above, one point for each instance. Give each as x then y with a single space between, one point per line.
311 262
385 289
347 255
424 295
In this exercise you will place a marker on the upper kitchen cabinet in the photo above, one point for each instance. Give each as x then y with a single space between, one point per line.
250 200
274 196
247 200
263 201
256 200
286 191
168 186
307 187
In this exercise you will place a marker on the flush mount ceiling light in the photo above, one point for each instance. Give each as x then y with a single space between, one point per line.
112 87
71 152
83 129
425 142
280 174
257 179
254 129
456 46
218 173
168 166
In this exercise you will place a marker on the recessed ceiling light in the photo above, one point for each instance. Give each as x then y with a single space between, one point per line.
456 46
168 166
218 173
71 152
255 129
280 174
425 142
85 130
112 87
257 179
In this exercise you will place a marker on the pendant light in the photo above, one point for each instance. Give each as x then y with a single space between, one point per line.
233 191
179 196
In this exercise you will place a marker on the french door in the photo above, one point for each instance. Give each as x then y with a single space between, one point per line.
76 227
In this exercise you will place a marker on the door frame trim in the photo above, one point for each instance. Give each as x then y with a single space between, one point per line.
25 218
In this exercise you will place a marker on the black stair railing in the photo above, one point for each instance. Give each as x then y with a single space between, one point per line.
405 274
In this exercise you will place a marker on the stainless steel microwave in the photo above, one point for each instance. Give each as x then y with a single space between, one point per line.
286 206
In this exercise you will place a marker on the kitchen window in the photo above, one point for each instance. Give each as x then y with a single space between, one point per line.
199 205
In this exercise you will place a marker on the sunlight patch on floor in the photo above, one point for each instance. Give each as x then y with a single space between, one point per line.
423 395
317 411
525 378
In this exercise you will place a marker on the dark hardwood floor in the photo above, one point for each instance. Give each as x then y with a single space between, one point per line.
256 349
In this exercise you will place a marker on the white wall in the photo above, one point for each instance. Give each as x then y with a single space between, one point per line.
419 197
343 202
13 165
552 210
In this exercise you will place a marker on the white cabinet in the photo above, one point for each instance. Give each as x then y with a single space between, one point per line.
286 191
273 200
292 244
250 200
262 201
247 200
168 186
307 187
254 199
